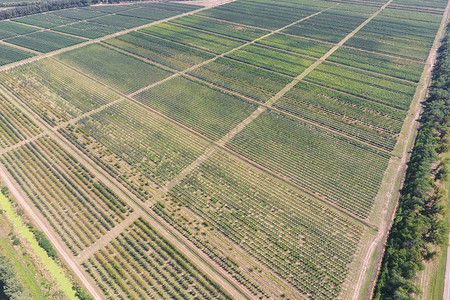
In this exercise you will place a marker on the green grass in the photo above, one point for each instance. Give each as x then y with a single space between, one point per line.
116 69
120 21
150 14
194 38
44 41
78 13
9 29
200 107
48 263
44 20
167 53
88 29
10 54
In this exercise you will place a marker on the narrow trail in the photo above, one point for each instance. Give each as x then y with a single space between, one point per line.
409 130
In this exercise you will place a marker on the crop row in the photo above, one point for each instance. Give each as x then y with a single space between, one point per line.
167 53
141 264
274 60
306 244
54 91
118 70
195 38
250 81
207 110
344 171
15 126
389 91
79 207
44 20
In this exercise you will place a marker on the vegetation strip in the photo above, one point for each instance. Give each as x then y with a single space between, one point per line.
420 221
46 260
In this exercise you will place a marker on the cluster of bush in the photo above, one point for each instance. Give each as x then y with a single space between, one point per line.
420 225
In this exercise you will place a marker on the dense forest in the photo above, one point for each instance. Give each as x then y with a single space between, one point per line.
420 225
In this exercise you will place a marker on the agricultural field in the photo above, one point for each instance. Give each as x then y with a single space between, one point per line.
248 150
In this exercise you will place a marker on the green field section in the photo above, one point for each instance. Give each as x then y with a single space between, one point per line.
383 64
78 13
296 44
220 27
54 91
233 75
209 111
372 86
89 30
274 60
265 14
396 33
120 21
44 20
312 157
58 185
44 41
163 150
345 113
9 29
121 71
15 126
195 38
218 191
161 51
149 13
9 54
140 263
330 26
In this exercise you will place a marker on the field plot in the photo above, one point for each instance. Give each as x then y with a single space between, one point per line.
167 53
119 70
44 41
89 30
120 21
78 206
281 62
136 146
383 64
220 27
313 157
10 54
196 105
44 20
148 13
15 126
265 14
233 75
78 13
54 91
386 90
9 29
141 264
194 38
392 32
331 26
217 191
296 44
345 113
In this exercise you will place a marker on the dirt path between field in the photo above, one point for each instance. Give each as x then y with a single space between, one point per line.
411 131
49 233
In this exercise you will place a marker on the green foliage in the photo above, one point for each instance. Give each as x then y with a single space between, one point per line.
81 293
10 287
5 191
420 222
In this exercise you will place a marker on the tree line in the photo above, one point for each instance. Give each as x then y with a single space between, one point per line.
420 225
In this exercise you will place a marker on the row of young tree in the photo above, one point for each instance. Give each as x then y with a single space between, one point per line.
420 225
